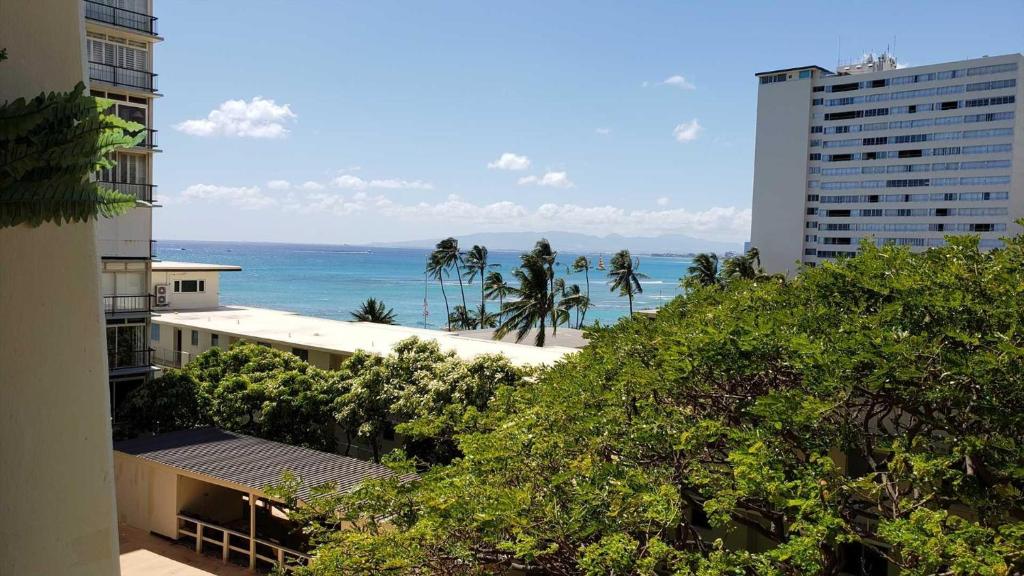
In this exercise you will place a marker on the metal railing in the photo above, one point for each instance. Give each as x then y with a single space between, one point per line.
148 138
120 304
172 359
142 192
124 359
122 17
118 76
234 541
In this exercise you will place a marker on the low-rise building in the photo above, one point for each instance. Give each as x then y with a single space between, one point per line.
189 320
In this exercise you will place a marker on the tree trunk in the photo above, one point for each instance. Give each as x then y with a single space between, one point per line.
447 313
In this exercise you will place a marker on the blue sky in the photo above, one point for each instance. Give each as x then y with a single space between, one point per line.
377 121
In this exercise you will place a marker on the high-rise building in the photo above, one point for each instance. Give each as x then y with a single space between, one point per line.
895 155
120 36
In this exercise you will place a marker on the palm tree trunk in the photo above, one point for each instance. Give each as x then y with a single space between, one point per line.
483 299
458 272
539 340
554 311
447 313
630 294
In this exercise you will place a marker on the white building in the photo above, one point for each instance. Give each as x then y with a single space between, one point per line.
120 36
901 155
189 320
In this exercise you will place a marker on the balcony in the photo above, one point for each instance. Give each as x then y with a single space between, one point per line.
125 360
124 77
127 304
148 139
172 358
113 16
143 192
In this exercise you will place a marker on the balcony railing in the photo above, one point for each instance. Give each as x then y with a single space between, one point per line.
118 76
172 359
124 359
229 541
114 16
142 192
122 304
148 138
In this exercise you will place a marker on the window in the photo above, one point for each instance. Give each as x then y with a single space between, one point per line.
154 332
214 340
805 73
195 337
302 353
190 285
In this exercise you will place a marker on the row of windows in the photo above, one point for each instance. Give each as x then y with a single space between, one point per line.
154 334
929 77
966 119
932 197
910 182
906 212
897 168
987 243
914 153
923 92
912 227
911 138
915 108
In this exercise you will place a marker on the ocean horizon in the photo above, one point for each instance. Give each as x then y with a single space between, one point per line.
330 281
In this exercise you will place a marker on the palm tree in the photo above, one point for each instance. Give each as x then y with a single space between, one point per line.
436 269
375 311
476 265
534 301
746 267
582 264
496 287
462 319
703 271
625 277
573 300
448 255
542 251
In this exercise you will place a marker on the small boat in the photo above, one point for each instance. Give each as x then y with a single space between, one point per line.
600 262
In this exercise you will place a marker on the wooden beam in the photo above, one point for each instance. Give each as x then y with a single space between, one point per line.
252 531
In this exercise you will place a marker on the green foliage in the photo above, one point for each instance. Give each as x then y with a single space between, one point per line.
172 402
49 148
375 311
625 276
743 404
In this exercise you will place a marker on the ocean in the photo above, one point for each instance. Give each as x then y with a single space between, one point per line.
331 281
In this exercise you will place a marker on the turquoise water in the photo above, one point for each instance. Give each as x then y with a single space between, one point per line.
331 281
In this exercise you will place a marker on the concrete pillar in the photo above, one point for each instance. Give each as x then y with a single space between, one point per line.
56 464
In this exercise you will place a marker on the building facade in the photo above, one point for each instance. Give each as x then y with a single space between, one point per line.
120 36
891 155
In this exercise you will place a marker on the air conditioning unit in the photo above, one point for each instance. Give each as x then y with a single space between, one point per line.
161 295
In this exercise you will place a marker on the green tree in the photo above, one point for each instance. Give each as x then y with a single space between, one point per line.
703 271
448 256
543 252
746 266
437 267
874 405
374 311
476 266
625 276
496 287
170 402
50 147
583 264
534 301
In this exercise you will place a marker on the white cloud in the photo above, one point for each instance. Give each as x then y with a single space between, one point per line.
510 161
663 201
679 82
350 182
551 179
258 118
245 197
687 131
279 184
311 185
603 131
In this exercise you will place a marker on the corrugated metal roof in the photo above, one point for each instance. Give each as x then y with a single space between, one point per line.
252 462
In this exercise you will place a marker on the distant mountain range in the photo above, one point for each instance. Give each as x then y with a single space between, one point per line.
573 242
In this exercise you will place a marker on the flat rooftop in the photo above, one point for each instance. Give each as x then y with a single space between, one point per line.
339 336
567 337
173 266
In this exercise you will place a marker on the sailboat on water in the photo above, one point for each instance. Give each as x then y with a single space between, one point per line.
600 262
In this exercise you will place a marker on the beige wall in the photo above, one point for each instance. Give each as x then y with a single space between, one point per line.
56 464
209 298
216 503
127 235
780 172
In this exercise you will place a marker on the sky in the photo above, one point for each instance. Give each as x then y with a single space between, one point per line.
355 122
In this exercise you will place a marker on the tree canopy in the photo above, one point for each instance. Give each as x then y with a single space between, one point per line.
869 410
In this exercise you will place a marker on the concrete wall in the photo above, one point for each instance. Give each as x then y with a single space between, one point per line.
209 298
780 172
56 464
127 235
217 503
